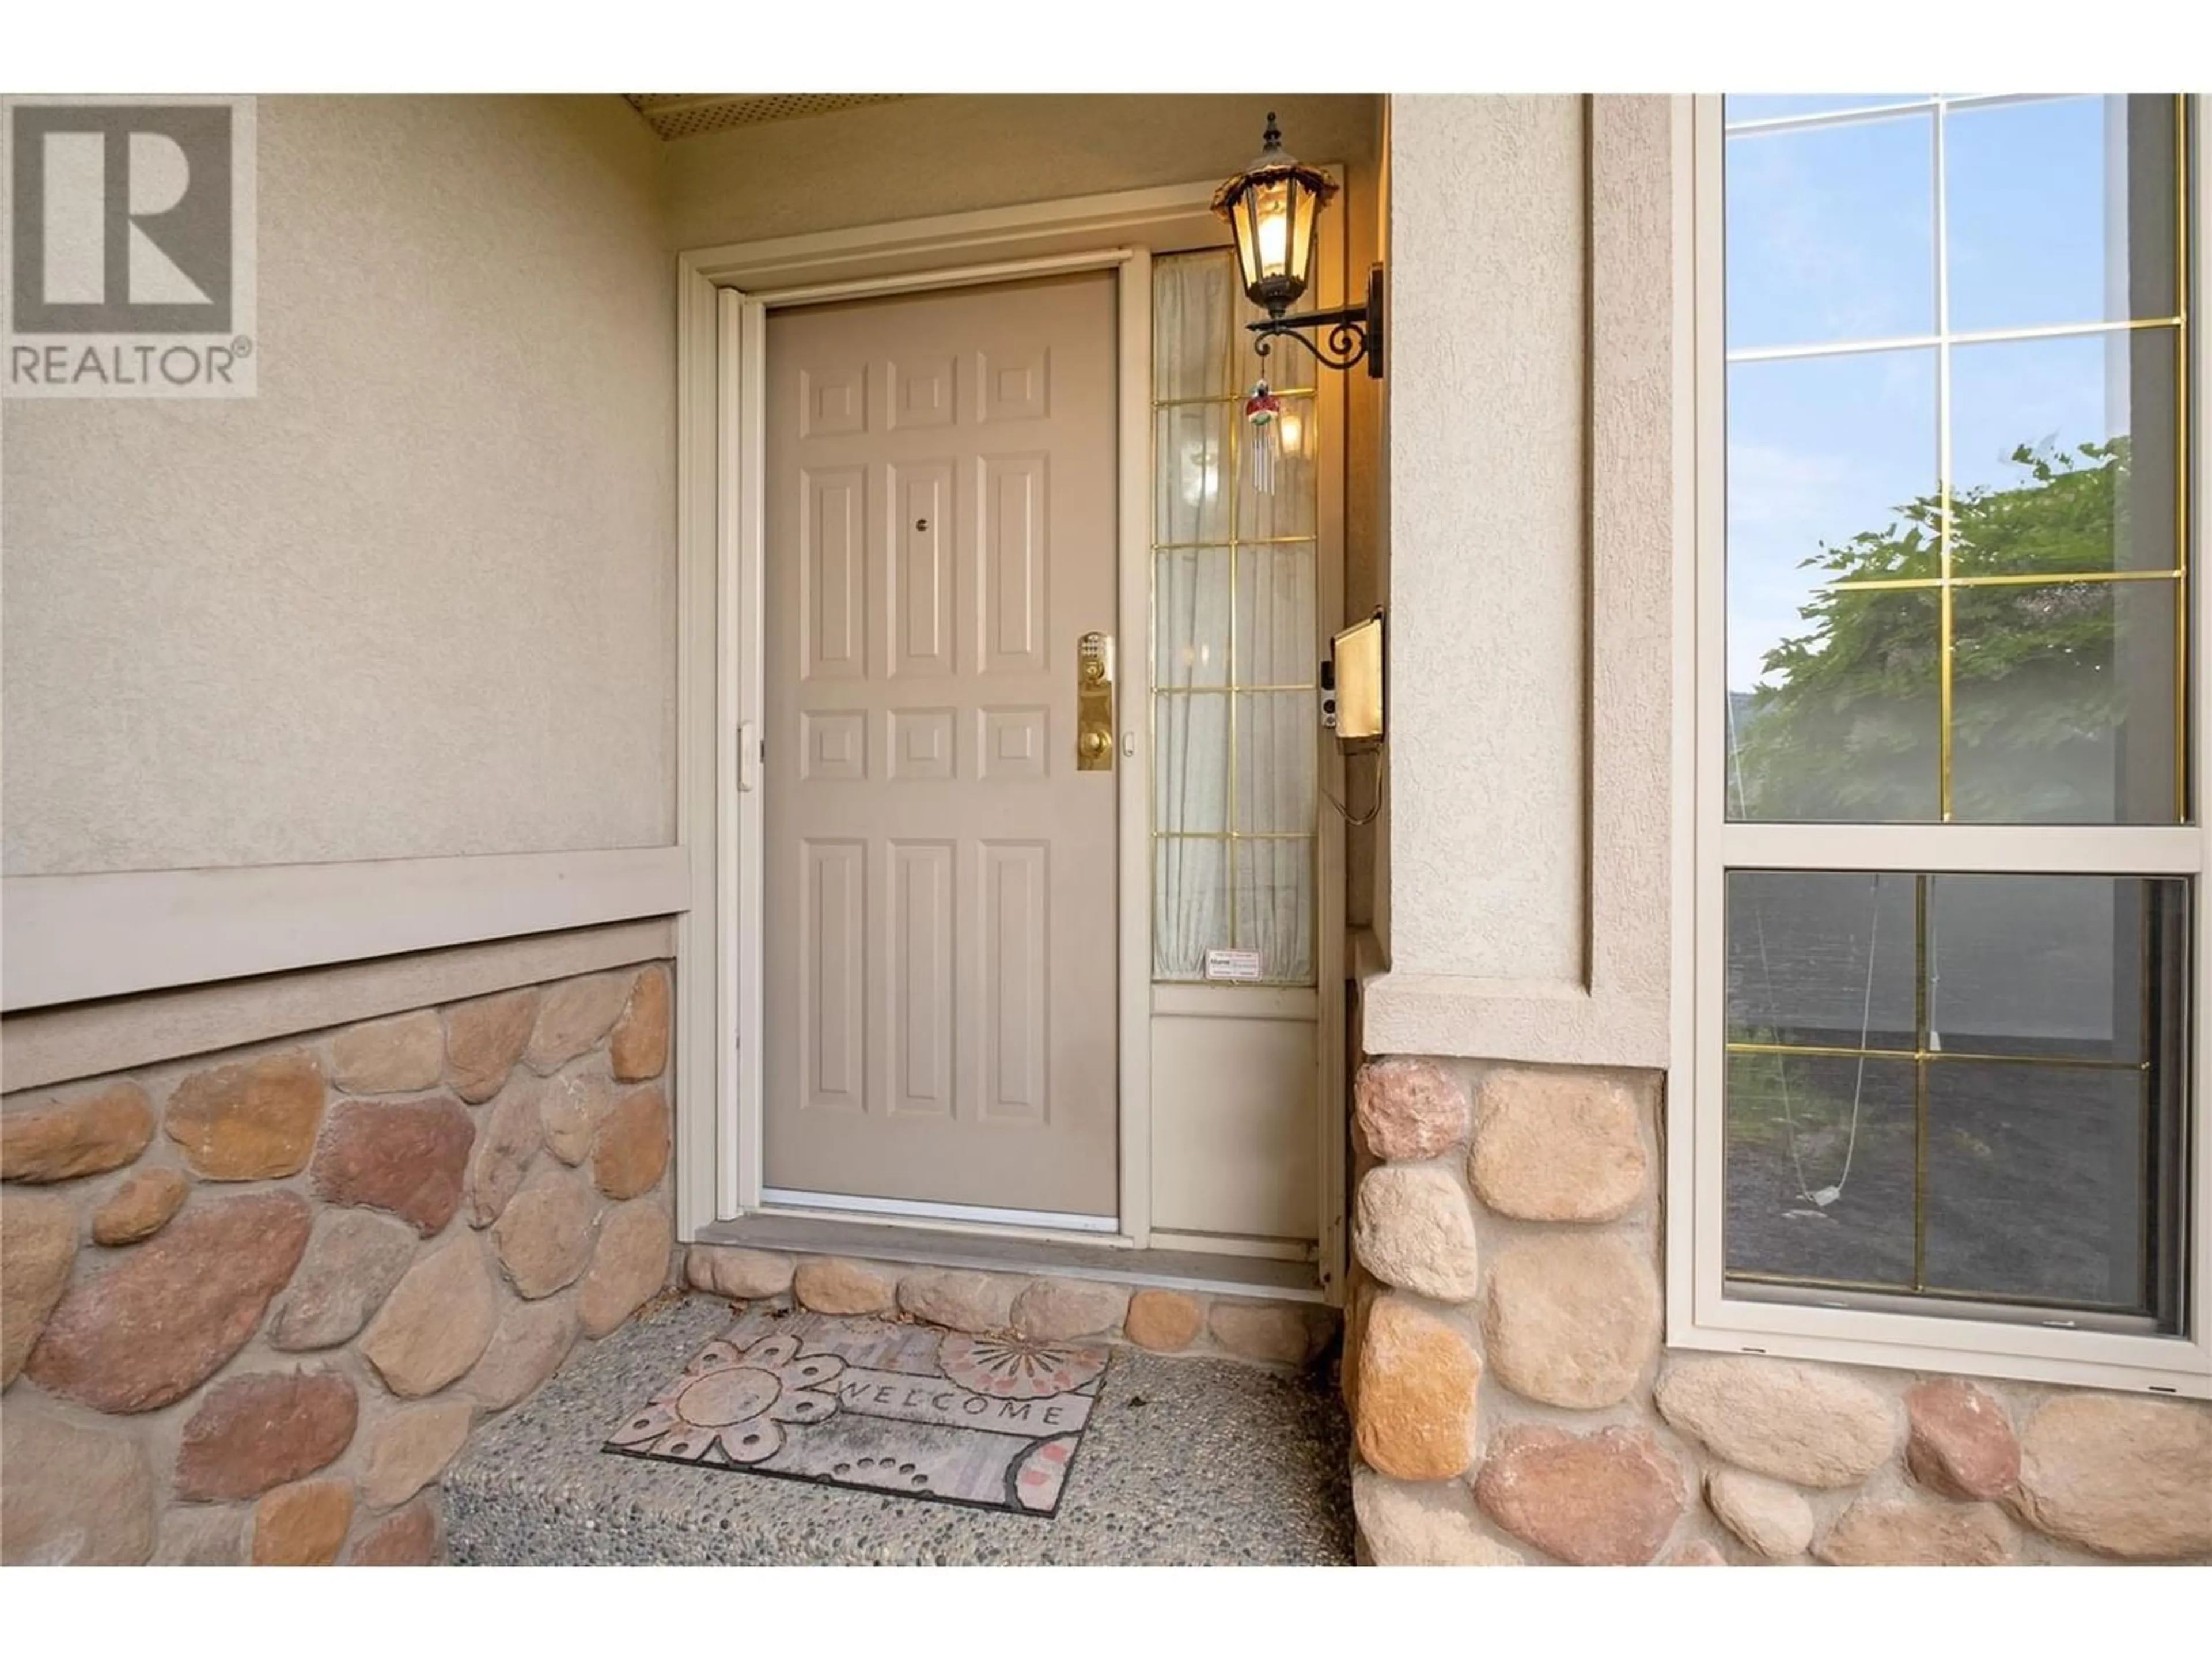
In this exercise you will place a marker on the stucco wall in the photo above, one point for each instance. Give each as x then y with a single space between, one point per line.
1487 536
416 599
956 154
1531 507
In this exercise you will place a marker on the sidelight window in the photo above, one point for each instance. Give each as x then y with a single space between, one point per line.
1234 643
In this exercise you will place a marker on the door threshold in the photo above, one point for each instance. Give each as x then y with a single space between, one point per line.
1039 1220
1174 1270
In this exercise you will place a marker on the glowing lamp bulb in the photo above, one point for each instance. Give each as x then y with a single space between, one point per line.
1274 236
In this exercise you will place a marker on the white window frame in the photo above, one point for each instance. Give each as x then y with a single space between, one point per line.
1701 1314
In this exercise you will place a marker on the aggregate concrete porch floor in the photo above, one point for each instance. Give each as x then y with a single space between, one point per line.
1187 1462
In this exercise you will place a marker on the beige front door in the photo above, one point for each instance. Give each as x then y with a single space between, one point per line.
939 962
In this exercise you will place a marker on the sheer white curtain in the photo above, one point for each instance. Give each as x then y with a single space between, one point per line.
1192 466
1276 741
1233 642
1190 780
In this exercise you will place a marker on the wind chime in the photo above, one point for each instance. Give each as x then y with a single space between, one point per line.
1263 413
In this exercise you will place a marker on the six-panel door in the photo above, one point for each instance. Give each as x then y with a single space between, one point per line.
941 971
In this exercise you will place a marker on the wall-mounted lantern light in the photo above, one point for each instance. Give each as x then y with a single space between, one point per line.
1271 208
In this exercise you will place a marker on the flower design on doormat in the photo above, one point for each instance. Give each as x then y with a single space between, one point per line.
1014 1368
1035 1480
735 1402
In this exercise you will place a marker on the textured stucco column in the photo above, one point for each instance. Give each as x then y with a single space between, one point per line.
1487 532
1535 433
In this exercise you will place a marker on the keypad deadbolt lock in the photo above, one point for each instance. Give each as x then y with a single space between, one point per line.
1094 702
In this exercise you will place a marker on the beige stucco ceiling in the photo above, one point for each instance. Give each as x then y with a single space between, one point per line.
688 114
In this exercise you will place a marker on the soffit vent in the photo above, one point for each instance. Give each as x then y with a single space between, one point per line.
688 114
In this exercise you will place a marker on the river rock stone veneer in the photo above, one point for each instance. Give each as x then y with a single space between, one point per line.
253 1304
1512 1403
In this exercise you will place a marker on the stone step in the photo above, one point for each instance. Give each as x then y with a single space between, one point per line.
1188 1462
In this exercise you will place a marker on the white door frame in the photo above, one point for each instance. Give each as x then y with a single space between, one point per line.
743 339
724 297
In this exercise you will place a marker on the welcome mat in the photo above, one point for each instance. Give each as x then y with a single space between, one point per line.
992 1421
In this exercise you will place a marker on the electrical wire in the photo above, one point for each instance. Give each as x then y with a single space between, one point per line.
1382 777
1827 1195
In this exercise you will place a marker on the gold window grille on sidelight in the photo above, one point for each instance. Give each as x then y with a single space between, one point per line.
1235 738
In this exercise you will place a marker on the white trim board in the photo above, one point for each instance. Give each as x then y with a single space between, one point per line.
40 1047
741 696
1170 217
1132 1025
72 938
